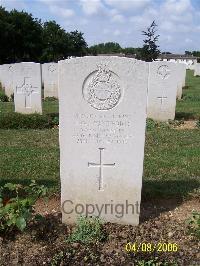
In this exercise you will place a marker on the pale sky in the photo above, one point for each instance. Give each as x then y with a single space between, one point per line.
122 20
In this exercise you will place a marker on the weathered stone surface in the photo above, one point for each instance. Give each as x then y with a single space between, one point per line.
102 135
162 90
27 87
50 79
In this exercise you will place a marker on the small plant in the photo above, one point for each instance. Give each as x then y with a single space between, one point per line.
55 121
194 224
16 205
50 99
57 259
89 230
176 123
150 124
3 97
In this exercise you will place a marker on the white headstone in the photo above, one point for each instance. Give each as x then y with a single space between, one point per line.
102 135
181 75
7 78
197 69
184 75
27 87
50 79
162 90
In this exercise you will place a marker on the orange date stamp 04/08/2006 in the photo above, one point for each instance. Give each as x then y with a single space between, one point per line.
151 247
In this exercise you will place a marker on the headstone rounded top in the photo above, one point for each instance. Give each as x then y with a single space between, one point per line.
101 88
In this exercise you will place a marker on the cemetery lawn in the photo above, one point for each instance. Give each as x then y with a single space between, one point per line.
189 106
29 154
171 165
47 107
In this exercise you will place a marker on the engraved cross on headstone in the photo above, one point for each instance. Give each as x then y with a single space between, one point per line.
162 98
27 90
100 165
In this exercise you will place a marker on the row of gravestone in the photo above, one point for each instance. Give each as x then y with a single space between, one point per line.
165 82
49 76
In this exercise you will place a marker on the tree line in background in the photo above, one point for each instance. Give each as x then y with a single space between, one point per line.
25 38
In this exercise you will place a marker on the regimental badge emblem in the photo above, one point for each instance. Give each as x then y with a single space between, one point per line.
163 71
51 68
101 89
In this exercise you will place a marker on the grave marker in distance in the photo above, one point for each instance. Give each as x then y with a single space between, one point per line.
27 88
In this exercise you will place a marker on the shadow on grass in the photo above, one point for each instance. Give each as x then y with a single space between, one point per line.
184 115
159 196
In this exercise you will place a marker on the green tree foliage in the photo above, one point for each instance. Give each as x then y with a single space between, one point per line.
131 51
55 42
188 53
105 48
24 38
196 53
150 51
78 44
5 35
59 44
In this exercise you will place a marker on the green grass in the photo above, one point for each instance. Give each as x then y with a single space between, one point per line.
29 154
47 107
171 165
189 106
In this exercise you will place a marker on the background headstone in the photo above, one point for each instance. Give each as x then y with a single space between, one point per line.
162 90
181 75
27 87
7 78
102 135
197 69
50 79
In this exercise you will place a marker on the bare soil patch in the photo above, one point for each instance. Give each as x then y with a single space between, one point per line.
191 124
162 221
